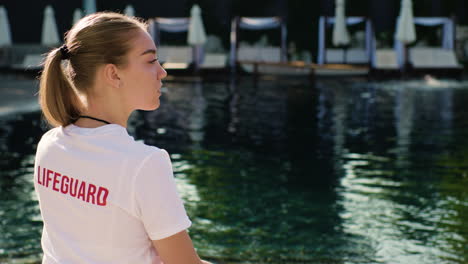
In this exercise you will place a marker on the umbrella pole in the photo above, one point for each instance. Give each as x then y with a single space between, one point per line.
407 66
195 60
345 53
405 59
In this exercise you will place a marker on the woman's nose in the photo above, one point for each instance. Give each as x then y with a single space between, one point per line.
161 72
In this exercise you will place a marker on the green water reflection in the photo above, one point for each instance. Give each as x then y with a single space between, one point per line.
273 172
20 222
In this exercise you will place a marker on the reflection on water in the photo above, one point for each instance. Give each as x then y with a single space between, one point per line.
20 221
279 172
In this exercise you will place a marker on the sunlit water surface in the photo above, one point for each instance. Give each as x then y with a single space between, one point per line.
344 171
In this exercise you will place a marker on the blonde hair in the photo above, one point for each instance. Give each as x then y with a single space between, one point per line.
96 39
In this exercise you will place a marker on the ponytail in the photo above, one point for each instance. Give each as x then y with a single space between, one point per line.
57 98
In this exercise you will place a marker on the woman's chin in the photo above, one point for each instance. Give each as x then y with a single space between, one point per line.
156 104
151 107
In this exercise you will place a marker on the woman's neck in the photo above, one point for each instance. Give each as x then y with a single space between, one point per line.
106 110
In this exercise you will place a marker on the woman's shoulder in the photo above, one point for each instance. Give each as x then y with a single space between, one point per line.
50 134
111 138
146 150
140 152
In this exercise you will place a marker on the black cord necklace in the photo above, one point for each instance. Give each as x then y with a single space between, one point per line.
97 119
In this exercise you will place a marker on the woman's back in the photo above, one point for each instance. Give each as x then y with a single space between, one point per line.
104 196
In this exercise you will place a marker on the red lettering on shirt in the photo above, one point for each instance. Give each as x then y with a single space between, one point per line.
81 191
44 172
102 196
49 172
91 192
73 188
66 185
56 175
39 175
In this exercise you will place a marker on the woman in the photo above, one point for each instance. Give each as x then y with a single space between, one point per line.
104 197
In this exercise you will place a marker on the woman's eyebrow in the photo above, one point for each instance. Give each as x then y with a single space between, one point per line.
148 51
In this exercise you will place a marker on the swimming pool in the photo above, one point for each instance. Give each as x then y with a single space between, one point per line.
282 171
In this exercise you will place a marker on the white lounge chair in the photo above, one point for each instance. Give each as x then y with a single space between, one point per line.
214 61
385 59
175 57
351 56
257 54
434 58
256 23
30 62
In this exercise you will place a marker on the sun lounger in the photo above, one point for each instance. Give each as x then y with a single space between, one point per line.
30 62
385 59
214 60
433 58
251 53
260 54
257 54
270 54
357 56
353 56
179 57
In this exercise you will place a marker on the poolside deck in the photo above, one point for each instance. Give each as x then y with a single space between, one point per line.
24 59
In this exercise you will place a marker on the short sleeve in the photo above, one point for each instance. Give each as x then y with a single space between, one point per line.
158 203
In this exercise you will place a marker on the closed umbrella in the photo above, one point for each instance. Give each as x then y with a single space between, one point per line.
129 10
5 33
50 36
196 33
406 32
340 32
77 15
152 29
89 6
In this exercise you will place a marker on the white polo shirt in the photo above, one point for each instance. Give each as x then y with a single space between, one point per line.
104 197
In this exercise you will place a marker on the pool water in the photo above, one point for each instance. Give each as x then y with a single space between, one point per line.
288 171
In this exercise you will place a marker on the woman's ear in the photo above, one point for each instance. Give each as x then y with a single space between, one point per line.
111 75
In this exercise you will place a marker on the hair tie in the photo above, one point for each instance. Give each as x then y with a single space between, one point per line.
65 52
